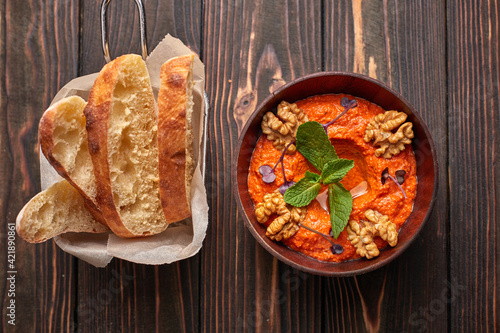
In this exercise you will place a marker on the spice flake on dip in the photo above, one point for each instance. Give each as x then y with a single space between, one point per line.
372 158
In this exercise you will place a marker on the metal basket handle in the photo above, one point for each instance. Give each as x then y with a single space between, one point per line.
104 29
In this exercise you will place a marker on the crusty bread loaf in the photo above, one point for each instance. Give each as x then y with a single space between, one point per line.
122 128
56 210
63 140
175 137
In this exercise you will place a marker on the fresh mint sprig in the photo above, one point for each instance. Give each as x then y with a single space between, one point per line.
304 191
340 201
313 143
335 170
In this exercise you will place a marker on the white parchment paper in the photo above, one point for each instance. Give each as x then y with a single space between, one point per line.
180 240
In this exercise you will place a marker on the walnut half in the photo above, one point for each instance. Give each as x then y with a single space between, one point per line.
361 234
380 129
287 222
282 127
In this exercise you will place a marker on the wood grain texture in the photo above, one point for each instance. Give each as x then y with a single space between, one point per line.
125 296
441 55
273 46
379 39
251 48
473 36
39 47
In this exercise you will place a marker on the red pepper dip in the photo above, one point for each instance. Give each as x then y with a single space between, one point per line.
347 136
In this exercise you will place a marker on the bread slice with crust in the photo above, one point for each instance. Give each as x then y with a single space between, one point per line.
175 137
63 139
122 135
58 209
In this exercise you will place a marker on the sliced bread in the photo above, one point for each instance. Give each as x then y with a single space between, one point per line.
63 139
122 135
58 209
175 137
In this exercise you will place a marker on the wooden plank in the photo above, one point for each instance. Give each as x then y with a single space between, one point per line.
403 45
126 296
38 55
473 36
250 49
246 53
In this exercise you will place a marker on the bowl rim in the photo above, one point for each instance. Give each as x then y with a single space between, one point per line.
378 264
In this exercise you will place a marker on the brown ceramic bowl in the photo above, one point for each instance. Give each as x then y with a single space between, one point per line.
375 92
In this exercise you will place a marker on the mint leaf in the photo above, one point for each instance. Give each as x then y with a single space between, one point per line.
335 170
340 207
314 144
304 191
312 176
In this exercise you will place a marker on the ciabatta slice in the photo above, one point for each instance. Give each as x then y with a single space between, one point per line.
58 209
122 128
63 139
175 137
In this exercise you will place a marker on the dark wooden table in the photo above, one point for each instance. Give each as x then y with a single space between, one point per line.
442 55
